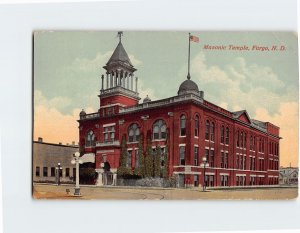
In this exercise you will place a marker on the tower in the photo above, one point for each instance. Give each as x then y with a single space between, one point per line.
119 86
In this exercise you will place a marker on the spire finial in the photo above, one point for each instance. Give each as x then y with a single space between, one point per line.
120 33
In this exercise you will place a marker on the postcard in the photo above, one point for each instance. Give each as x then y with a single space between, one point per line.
131 115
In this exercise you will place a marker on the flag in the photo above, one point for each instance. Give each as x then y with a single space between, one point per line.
194 39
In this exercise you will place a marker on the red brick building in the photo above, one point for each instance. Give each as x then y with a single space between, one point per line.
240 151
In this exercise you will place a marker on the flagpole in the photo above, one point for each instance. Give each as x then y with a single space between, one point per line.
188 76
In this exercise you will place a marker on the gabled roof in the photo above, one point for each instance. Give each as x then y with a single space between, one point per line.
258 123
119 55
242 116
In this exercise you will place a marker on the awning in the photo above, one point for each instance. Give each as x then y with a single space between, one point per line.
88 158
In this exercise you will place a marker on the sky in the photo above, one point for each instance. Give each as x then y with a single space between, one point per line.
68 66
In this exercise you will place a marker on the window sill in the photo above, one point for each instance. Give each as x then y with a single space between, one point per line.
159 140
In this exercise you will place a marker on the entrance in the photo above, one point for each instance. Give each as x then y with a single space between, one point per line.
107 174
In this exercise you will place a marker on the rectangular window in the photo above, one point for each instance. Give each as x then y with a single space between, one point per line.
222 159
244 162
211 181
74 172
182 155
45 172
67 172
226 160
226 180
196 155
37 171
212 158
52 171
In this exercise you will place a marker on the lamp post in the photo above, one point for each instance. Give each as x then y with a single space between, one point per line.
77 161
204 164
58 169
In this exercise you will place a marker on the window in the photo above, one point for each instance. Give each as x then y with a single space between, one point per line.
45 171
241 140
129 155
212 132
182 125
238 139
222 159
224 180
197 126
251 142
244 162
226 160
209 180
182 155
207 154
222 134
245 140
159 130
133 133
212 158
67 172
196 155
109 134
90 139
52 171
207 130
227 136
37 171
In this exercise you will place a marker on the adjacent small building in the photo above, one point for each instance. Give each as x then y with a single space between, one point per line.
288 175
46 157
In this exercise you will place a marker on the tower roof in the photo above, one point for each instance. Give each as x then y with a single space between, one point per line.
119 55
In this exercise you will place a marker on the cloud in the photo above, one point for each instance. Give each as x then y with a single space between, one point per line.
239 85
287 119
51 124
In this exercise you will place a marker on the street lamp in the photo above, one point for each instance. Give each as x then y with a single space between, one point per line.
204 164
58 169
77 161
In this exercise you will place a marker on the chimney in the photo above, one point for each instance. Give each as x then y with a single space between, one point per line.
201 94
40 139
67 144
73 143
59 143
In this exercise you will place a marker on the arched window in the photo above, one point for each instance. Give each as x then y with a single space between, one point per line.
245 140
251 142
197 126
222 134
182 125
90 139
238 139
133 133
207 130
241 140
212 132
227 136
159 130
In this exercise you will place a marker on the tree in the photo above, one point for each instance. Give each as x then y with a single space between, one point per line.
166 163
124 169
140 169
157 161
148 158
